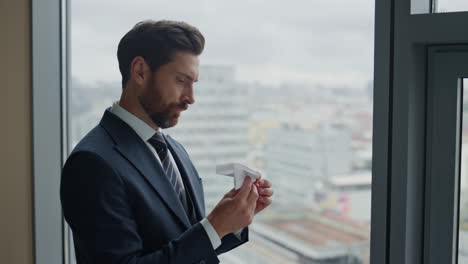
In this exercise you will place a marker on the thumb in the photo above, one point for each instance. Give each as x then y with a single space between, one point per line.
245 188
257 181
253 196
231 193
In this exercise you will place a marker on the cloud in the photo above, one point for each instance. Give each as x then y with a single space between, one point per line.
329 38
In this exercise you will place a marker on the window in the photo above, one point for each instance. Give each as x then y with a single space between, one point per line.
445 177
438 6
403 204
401 196
288 92
451 6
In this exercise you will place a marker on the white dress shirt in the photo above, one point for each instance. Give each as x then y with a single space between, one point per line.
145 132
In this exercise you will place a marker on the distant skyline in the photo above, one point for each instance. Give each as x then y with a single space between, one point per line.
270 42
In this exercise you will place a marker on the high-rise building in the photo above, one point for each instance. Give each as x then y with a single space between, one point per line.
214 129
297 159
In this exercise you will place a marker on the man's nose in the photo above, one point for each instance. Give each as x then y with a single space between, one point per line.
189 97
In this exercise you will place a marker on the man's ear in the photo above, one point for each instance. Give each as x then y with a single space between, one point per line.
139 70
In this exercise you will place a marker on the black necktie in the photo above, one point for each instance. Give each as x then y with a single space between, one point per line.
158 142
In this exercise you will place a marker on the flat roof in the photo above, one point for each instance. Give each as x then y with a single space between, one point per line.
317 237
356 179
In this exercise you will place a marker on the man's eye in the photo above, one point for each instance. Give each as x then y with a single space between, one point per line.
181 80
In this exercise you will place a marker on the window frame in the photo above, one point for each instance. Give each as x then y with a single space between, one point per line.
49 111
447 64
399 192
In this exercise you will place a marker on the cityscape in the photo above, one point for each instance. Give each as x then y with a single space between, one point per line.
313 142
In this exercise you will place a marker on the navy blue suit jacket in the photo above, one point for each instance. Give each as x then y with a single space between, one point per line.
122 209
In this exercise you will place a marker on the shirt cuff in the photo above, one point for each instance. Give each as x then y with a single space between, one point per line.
212 234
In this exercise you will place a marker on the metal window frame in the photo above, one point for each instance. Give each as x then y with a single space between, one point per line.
448 65
49 97
399 193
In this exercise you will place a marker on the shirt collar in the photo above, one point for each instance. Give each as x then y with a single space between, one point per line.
143 130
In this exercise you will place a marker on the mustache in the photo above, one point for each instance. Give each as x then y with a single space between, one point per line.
183 106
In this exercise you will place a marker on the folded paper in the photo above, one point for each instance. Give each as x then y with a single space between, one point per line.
238 172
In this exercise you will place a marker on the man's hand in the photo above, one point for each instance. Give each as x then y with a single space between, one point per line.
236 210
265 193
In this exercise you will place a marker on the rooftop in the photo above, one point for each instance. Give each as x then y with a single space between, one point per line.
315 236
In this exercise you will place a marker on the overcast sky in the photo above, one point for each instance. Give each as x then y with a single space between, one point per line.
328 42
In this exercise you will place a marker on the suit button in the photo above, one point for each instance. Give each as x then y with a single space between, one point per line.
202 262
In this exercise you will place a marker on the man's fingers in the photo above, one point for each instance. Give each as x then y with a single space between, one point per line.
266 192
253 195
265 200
264 183
259 178
245 188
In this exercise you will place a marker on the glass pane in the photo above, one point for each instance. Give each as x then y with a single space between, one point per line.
463 232
451 6
286 90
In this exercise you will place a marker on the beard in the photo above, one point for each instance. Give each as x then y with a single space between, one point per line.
164 119
162 113
162 123
164 116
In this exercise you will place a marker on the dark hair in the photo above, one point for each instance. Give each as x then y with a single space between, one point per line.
157 42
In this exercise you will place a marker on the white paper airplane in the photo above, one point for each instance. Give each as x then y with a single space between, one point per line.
238 171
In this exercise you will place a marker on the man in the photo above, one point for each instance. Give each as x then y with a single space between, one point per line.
130 193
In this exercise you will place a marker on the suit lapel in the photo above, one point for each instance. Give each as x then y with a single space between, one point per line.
130 145
190 178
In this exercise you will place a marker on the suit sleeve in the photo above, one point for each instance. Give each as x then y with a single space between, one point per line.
96 206
231 241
